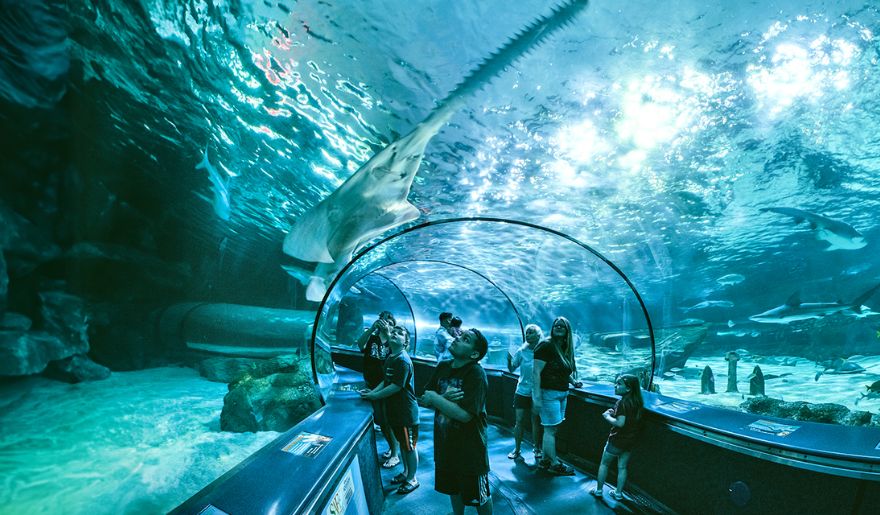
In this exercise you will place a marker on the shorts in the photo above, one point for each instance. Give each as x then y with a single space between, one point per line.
474 490
522 401
379 413
614 450
553 404
407 436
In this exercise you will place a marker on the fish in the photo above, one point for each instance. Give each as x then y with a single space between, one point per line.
794 310
374 199
839 235
873 391
839 366
220 188
710 304
730 279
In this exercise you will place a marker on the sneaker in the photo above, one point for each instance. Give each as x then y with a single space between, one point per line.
544 464
398 479
514 455
408 486
391 462
595 492
561 469
386 454
539 454
618 496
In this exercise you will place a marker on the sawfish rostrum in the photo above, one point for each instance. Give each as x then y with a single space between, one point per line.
839 235
374 198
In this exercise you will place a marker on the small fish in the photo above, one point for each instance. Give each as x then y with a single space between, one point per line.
873 391
730 279
839 235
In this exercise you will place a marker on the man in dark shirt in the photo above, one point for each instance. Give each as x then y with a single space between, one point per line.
457 394
374 344
401 410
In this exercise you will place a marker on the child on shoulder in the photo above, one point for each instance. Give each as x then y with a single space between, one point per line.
625 418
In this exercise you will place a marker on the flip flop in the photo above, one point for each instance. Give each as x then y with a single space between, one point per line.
408 486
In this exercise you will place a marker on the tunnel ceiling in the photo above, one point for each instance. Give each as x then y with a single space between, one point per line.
653 133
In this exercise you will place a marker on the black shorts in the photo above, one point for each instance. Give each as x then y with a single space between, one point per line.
407 436
474 490
379 412
522 401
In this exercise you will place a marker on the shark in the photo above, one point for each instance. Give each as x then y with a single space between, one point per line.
220 183
794 310
839 235
374 198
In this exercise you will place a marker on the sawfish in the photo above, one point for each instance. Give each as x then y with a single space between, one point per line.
374 198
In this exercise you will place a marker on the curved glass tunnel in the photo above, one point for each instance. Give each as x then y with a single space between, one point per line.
497 276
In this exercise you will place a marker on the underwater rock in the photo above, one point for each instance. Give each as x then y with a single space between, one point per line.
103 267
29 244
230 370
707 381
272 403
10 321
76 369
66 317
756 382
27 353
731 358
825 412
674 350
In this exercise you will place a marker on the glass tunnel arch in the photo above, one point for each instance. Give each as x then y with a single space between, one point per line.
541 272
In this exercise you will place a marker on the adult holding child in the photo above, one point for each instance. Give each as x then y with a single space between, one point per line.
374 344
524 360
554 370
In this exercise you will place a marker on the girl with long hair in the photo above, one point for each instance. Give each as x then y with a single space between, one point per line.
625 419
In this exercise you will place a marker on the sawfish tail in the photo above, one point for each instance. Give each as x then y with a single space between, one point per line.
529 38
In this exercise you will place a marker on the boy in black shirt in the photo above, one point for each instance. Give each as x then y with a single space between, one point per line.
374 344
401 411
457 393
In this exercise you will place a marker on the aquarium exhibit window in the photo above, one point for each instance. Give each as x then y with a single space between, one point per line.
498 275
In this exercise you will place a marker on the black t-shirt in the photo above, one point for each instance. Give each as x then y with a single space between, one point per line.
461 446
401 408
375 353
625 437
555 373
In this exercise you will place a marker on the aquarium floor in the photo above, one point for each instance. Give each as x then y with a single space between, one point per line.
517 488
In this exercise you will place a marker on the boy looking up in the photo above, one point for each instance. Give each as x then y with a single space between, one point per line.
457 394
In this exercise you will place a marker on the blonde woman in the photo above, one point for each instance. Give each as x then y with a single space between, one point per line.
554 370
524 360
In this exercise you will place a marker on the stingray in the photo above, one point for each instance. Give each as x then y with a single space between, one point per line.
374 199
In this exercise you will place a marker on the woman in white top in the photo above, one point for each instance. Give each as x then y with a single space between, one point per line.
524 359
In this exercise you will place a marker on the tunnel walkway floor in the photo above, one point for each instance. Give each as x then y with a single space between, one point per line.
517 486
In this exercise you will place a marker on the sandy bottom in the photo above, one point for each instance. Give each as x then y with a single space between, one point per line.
138 442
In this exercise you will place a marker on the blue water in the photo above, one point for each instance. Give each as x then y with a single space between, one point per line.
653 132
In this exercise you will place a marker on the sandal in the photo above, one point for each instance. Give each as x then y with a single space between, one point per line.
514 455
617 495
561 469
398 479
391 462
408 486
595 492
